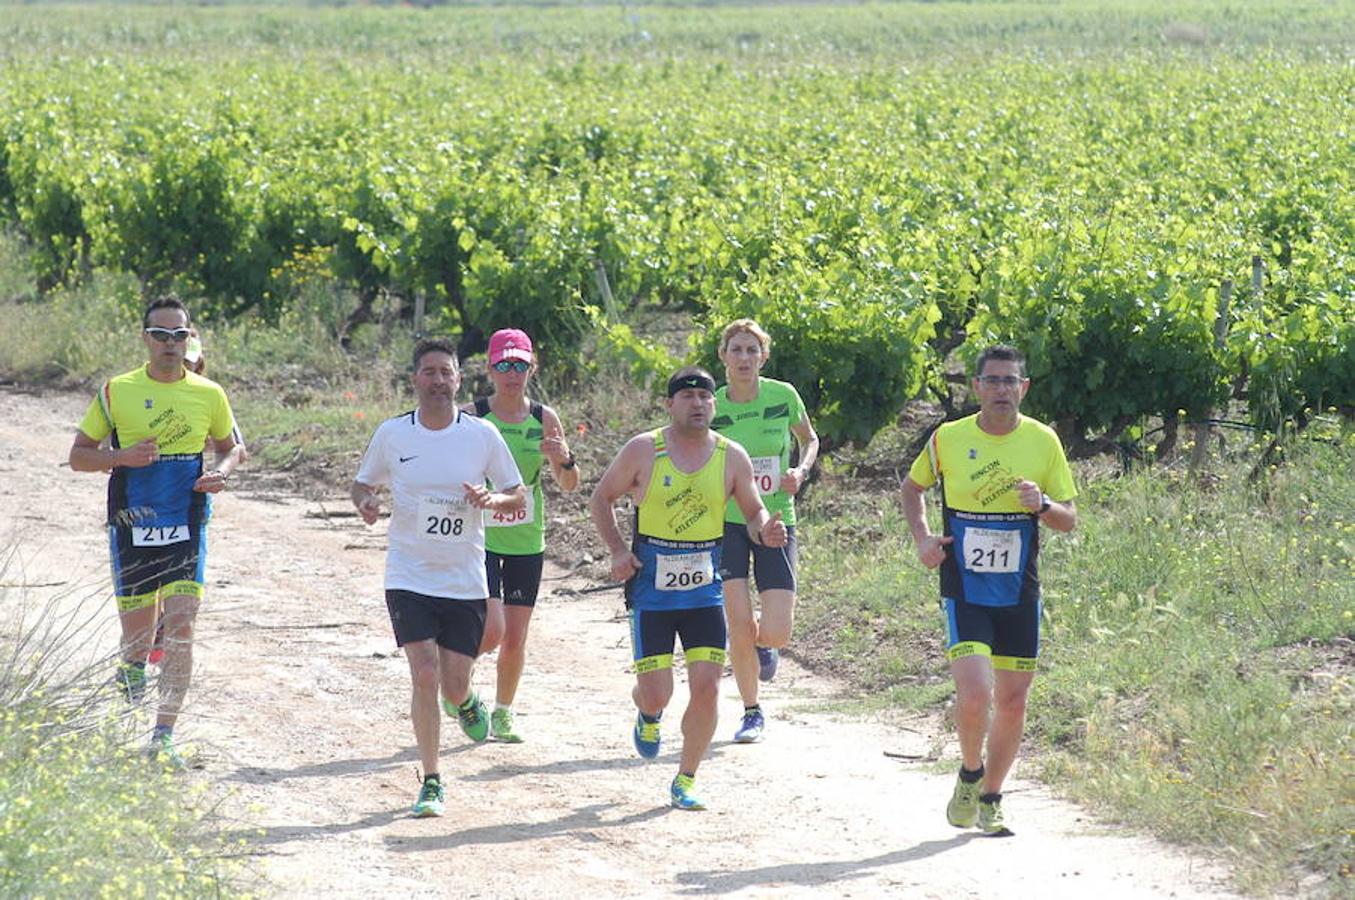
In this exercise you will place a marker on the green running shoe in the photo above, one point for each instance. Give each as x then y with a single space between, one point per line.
163 752
501 727
990 816
963 809
431 797
130 679
472 716
682 794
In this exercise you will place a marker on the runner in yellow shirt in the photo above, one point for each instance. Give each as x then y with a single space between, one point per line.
157 421
1002 475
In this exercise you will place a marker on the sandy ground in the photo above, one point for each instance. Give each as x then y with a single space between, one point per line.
299 719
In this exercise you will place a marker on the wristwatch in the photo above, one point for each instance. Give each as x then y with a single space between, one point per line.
1044 504
569 463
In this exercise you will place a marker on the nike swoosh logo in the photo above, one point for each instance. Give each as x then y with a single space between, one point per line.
408 458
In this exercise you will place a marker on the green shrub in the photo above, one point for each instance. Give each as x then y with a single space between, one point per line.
83 812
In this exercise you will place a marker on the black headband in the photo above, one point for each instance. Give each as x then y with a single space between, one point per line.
700 380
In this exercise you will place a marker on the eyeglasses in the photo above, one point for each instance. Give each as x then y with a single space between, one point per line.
165 335
512 365
1001 380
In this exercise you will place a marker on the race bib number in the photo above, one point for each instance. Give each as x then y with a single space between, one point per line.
683 571
992 550
448 520
524 516
158 535
767 474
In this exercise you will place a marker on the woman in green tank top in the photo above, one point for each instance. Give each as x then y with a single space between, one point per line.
515 545
766 416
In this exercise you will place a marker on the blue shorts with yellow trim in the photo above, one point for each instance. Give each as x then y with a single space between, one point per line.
1010 635
702 630
143 576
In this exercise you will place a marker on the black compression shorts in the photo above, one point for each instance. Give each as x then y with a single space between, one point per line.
516 580
773 567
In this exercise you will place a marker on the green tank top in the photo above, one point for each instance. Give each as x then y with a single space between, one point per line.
762 427
522 533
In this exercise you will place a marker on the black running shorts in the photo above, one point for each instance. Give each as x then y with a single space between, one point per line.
456 625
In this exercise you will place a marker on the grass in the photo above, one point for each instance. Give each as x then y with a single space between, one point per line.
1198 650
83 813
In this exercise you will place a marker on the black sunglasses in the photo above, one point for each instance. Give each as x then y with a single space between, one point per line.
165 335
512 365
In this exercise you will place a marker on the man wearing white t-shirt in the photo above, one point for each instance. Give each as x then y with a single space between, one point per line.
435 460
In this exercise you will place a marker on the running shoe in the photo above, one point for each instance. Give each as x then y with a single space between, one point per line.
646 737
768 658
130 679
750 730
682 793
431 797
991 821
501 727
472 716
163 752
963 809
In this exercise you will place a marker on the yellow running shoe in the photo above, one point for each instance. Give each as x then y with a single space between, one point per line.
501 727
963 809
991 821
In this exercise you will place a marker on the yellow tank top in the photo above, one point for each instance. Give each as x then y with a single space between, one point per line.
684 507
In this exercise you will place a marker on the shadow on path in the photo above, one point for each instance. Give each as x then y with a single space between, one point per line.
813 874
505 771
266 775
585 820
284 834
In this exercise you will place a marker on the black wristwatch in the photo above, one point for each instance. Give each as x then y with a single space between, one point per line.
1044 504
569 463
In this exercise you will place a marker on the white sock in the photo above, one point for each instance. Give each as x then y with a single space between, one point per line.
505 707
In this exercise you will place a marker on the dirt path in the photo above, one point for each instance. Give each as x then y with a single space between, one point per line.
300 717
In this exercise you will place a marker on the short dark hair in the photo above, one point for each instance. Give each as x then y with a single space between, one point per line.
166 302
434 345
1003 352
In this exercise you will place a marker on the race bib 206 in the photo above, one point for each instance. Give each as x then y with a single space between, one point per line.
683 571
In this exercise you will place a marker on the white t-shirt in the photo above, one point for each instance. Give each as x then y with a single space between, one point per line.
437 539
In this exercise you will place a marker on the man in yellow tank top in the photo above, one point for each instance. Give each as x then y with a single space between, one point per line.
679 477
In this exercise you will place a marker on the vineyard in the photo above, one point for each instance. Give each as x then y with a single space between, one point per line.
881 187
1154 200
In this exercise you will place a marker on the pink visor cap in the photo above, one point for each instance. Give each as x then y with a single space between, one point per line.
509 343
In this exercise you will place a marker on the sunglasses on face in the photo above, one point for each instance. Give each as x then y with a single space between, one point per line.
512 365
1000 380
165 335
